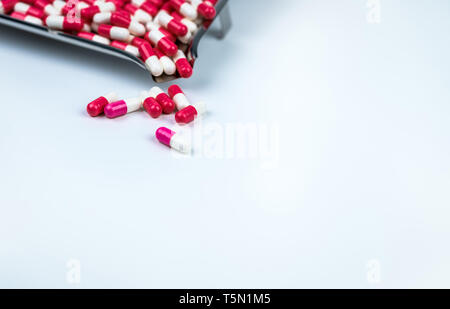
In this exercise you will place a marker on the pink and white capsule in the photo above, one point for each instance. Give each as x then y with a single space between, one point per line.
112 32
106 6
46 7
187 22
186 38
174 26
126 47
173 140
123 107
151 60
184 68
27 18
93 37
120 20
178 96
63 23
138 14
204 8
28 10
184 8
167 63
162 42
59 6
146 6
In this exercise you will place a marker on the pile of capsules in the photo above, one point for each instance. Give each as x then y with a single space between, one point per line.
155 102
157 31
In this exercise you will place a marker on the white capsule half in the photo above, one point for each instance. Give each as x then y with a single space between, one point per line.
154 66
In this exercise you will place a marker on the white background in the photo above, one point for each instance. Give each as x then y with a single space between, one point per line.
359 196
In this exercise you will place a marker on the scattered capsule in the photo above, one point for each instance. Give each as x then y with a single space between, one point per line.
178 97
151 106
123 107
173 140
189 113
166 102
96 107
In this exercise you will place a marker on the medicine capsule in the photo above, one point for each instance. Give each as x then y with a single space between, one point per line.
63 23
138 14
178 97
161 42
184 68
184 8
96 107
136 41
186 38
166 102
152 26
188 114
174 26
123 107
28 10
93 37
188 23
89 12
27 18
126 47
204 8
167 63
120 20
173 140
7 6
112 32
152 62
46 7
146 6
152 107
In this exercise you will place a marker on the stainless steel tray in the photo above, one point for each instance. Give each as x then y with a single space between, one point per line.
223 15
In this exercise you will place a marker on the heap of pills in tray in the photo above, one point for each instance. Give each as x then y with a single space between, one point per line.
154 30
155 102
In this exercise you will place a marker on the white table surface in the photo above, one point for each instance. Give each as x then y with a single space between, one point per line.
358 195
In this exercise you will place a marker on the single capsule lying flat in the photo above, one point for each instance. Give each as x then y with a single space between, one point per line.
178 97
188 114
96 107
173 140
123 107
